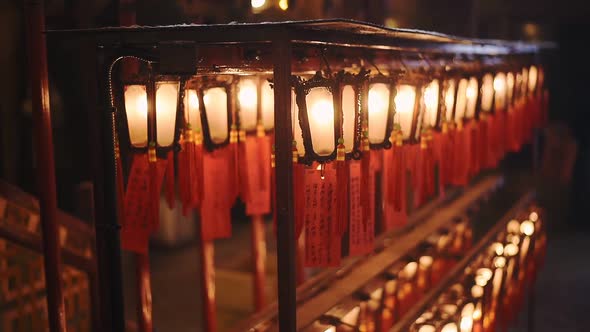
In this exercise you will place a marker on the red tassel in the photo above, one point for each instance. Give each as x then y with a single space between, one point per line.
370 163
394 179
196 174
461 155
170 190
243 167
154 194
342 174
232 159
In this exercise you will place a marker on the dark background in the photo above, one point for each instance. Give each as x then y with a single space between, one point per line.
564 21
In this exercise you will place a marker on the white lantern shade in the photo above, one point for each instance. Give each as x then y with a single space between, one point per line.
471 96
405 101
136 111
487 92
510 85
378 112
267 100
461 104
450 99
166 107
192 114
532 80
215 100
320 113
248 102
431 103
348 110
500 90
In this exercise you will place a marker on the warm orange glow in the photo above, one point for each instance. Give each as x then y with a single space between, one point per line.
477 291
248 102
267 100
284 4
215 100
511 250
166 107
192 115
533 75
510 84
409 270
534 216
431 102
427 328
450 99
484 272
471 95
320 110
500 90
258 3
461 104
136 111
450 327
487 92
405 100
498 248
500 262
378 111
513 226
425 261
527 228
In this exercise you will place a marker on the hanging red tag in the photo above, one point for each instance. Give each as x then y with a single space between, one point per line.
135 226
461 156
321 218
216 205
356 237
257 175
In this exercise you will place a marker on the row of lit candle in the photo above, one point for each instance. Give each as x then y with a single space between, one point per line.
382 302
490 292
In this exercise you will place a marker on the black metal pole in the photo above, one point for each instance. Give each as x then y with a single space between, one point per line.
108 247
286 242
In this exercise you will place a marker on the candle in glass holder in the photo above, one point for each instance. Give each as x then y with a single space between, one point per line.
466 322
425 273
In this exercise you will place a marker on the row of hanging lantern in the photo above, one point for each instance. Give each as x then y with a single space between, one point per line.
419 127
197 117
440 124
491 292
